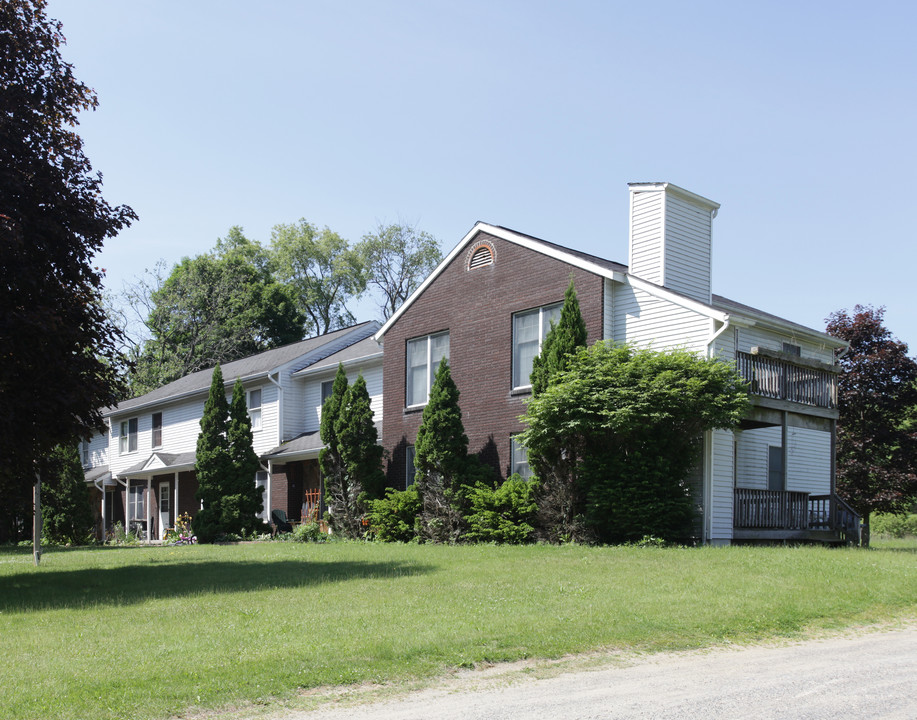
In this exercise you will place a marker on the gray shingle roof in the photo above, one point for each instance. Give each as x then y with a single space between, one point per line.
366 348
316 348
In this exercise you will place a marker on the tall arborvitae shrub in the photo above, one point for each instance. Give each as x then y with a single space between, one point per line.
241 512
562 341
213 463
329 457
559 500
441 459
66 510
361 452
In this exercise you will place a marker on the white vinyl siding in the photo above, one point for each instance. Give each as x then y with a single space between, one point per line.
688 231
422 359
761 337
647 226
312 392
809 461
647 321
529 330
722 477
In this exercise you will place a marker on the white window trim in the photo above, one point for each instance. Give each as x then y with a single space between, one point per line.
255 412
542 332
124 436
516 449
431 371
153 430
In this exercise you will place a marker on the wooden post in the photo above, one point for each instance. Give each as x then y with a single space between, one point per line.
36 522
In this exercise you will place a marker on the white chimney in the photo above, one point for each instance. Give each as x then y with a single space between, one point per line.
671 238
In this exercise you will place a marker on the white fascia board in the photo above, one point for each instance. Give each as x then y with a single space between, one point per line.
676 299
786 327
362 360
675 190
503 234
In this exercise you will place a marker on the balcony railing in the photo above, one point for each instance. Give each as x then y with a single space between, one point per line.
781 380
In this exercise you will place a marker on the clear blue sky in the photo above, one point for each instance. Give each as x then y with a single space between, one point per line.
799 118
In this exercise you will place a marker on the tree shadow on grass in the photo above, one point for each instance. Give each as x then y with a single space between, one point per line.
126 585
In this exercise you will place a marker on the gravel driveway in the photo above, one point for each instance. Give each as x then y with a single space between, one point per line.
860 675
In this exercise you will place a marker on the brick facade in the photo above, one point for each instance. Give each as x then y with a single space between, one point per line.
476 307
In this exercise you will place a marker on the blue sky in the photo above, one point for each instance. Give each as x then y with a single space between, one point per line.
799 118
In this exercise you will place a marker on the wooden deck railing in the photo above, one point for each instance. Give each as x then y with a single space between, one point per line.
770 509
788 510
781 380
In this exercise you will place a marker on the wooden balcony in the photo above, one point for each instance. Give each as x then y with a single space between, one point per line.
788 515
798 380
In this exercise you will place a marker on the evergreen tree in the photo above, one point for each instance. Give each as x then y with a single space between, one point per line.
213 464
441 459
329 457
245 464
561 341
66 510
361 476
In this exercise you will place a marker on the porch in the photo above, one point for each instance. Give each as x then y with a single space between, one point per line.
792 515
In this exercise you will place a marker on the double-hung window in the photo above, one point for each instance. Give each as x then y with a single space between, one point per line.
127 442
137 503
409 470
157 430
423 357
254 408
529 330
520 459
327 388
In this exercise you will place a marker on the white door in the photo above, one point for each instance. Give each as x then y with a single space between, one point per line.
165 504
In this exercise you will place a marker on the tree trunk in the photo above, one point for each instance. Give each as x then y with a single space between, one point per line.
864 534
36 522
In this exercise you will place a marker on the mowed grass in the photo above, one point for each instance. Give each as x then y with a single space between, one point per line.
162 631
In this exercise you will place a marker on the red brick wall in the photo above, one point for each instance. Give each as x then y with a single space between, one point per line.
187 488
477 307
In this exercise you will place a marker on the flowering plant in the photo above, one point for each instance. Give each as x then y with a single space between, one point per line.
181 534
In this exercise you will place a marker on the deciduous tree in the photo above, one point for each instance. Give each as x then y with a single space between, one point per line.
58 352
65 506
621 428
323 271
876 448
398 258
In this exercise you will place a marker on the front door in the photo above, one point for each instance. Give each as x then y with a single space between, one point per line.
164 507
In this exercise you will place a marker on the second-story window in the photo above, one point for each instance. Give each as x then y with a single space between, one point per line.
327 387
254 408
157 430
423 357
529 330
84 446
127 442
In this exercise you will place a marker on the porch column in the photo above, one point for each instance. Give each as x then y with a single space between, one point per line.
833 457
104 514
175 502
149 503
786 452
267 490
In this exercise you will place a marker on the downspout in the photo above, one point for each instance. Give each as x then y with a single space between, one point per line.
279 406
101 488
708 448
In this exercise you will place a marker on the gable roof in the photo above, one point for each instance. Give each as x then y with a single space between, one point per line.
310 351
720 309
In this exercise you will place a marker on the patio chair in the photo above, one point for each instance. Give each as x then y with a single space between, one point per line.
281 524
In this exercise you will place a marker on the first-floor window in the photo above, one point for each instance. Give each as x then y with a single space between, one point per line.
520 459
128 440
136 502
254 408
529 330
775 468
423 358
409 469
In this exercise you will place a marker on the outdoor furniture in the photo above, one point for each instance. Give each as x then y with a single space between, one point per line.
281 524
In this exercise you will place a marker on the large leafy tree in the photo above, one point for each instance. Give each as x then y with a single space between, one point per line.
620 427
322 270
216 307
397 258
58 351
876 447
441 461
560 343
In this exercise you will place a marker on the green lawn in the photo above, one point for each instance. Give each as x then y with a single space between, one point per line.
152 632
